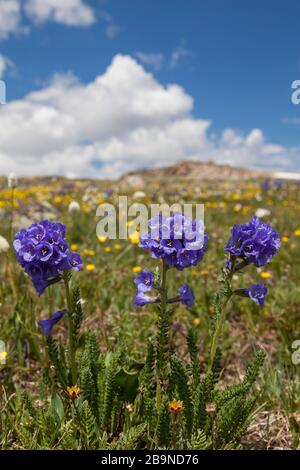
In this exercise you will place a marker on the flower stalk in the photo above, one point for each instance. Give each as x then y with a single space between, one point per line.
163 332
217 333
70 328
221 316
163 289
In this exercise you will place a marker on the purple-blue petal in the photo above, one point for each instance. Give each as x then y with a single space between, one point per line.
47 325
187 296
257 293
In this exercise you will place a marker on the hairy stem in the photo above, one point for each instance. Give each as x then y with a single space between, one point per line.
11 220
217 334
222 317
70 325
161 339
163 289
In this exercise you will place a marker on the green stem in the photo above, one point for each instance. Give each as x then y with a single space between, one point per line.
217 334
50 299
11 221
70 324
1 407
160 346
120 255
163 289
175 425
222 317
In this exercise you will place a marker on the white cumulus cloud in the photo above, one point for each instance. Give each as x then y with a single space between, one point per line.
68 12
124 119
13 14
5 65
152 59
10 17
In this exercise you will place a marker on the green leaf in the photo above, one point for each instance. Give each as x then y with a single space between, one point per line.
57 408
128 383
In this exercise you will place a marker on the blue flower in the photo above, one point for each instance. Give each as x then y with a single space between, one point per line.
187 296
178 240
44 251
44 254
142 299
257 293
144 280
47 325
254 242
265 185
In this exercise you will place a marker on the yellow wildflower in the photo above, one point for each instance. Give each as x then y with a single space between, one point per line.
134 238
197 321
89 252
90 267
176 406
265 275
3 356
102 239
237 207
136 269
73 392
204 273
107 249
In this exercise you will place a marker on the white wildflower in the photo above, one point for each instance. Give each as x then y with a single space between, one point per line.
261 212
74 206
12 180
4 246
139 195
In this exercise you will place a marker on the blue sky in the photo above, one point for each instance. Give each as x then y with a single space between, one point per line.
236 59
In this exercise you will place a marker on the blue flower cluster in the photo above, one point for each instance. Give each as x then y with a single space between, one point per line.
44 253
178 240
254 242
